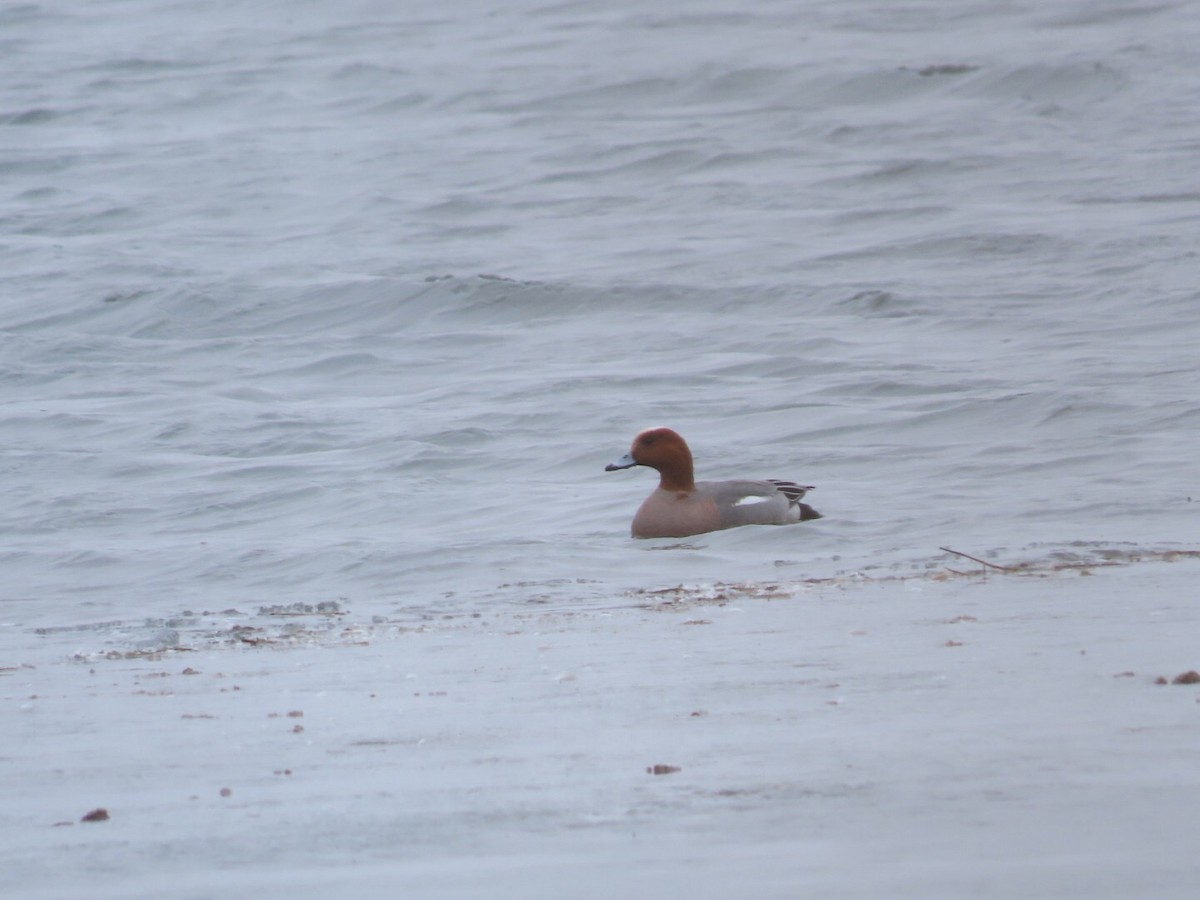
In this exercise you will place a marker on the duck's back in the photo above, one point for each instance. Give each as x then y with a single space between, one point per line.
757 502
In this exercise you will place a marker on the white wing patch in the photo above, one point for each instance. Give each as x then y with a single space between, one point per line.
752 500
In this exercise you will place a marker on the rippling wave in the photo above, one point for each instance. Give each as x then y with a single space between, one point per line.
326 311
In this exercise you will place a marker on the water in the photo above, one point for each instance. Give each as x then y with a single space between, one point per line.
309 302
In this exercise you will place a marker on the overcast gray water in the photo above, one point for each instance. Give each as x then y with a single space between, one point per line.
311 302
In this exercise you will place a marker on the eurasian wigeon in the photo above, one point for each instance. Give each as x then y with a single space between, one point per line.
681 506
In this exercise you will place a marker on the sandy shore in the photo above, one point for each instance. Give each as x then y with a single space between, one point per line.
926 736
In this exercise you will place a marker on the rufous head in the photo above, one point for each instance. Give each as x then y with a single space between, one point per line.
664 450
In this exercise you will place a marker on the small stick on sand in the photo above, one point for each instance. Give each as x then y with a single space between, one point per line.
982 562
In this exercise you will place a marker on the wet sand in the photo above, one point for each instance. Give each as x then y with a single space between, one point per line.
922 734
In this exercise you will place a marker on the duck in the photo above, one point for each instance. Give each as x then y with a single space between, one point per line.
681 506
